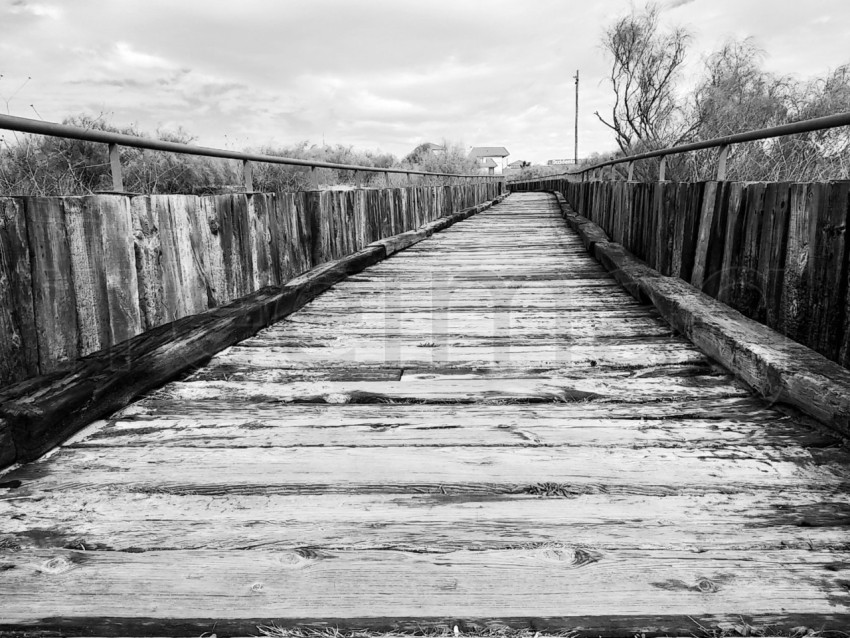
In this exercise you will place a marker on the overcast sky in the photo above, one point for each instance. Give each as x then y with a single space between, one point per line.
376 74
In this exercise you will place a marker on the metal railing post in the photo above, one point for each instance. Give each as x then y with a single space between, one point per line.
248 176
662 169
721 163
115 168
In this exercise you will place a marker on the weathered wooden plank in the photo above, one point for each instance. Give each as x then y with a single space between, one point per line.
258 230
84 228
459 469
773 250
148 255
742 409
794 303
708 261
383 588
183 287
388 425
119 258
18 337
729 288
427 353
119 521
828 274
54 300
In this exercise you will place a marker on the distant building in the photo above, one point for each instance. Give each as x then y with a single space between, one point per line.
519 165
557 162
434 148
484 156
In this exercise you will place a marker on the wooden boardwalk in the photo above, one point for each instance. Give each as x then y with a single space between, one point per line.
482 428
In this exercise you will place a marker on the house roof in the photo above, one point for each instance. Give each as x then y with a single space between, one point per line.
488 151
516 164
489 163
434 147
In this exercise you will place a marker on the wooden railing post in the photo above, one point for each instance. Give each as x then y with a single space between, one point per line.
721 163
358 182
248 176
662 169
631 177
115 168
386 179
314 178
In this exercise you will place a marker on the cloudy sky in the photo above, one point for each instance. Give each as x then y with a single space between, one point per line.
376 74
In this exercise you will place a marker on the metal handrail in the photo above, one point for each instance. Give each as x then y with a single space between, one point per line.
804 126
115 140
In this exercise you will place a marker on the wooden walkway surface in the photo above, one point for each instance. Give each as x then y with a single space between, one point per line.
482 428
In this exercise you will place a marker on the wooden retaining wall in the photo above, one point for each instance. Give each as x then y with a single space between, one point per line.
79 274
777 252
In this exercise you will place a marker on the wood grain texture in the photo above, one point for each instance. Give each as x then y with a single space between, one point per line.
18 356
556 461
54 298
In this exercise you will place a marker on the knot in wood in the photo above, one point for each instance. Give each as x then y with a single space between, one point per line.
56 565
706 586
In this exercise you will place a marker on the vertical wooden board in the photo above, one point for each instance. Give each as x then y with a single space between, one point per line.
146 246
400 221
119 263
183 288
345 224
667 214
277 237
730 270
625 213
207 224
794 308
387 216
230 243
317 214
651 221
83 225
338 220
708 213
828 283
243 256
258 214
303 235
360 218
291 245
679 229
351 225
713 265
773 249
751 287
53 287
646 221
18 338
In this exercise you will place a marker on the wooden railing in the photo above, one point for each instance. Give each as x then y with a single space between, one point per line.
115 141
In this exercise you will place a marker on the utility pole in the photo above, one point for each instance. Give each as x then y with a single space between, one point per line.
575 157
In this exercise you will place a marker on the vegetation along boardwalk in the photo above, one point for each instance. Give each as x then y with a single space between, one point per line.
484 428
